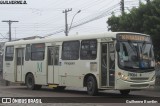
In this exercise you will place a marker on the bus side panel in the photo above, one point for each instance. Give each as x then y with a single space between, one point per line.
9 69
70 75
38 69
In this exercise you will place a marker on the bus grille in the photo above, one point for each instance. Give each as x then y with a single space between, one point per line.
139 85
144 78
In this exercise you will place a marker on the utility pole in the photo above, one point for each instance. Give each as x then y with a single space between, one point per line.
7 83
122 6
66 24
10 22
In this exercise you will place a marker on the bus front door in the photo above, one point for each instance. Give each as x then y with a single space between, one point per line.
107 65
19 63
53 64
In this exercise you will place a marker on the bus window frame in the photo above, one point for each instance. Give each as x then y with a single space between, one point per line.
9 53
88 50
62 54
28 54
38 52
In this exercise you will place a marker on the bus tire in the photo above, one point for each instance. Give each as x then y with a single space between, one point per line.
125 92
92 86
30 82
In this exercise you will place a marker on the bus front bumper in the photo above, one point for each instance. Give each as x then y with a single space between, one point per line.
121 84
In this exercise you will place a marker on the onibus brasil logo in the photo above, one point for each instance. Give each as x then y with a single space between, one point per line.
21 100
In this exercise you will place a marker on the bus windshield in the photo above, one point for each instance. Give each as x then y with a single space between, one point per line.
136 55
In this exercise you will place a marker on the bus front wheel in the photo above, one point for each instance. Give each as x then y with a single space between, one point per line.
125 92
30 82
92 86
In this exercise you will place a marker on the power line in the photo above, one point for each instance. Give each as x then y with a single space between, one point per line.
3 37
101 15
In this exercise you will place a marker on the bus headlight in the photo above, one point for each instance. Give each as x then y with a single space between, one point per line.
122 76
125 78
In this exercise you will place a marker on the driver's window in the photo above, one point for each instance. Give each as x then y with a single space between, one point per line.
123 53
125 50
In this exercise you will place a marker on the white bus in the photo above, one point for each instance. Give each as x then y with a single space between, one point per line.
121 61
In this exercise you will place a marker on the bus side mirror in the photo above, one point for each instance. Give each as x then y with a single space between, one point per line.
117 46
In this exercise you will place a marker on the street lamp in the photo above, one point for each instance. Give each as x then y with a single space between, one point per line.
73 19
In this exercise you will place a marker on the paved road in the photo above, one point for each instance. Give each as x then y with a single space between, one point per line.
22 91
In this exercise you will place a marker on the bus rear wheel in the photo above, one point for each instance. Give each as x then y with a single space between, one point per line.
92 86
125 92
30 82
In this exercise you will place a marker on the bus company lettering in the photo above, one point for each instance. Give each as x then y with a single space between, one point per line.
39 67
69 63
8 64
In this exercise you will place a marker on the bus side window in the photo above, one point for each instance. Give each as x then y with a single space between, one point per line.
9 53
28 52
37 51
70 50
88 49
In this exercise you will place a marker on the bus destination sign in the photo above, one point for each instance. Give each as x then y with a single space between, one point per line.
133 37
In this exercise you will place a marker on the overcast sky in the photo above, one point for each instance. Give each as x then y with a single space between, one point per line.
44 17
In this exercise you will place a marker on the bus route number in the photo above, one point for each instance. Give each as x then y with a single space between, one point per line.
132 74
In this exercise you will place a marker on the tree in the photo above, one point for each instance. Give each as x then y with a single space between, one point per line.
145 19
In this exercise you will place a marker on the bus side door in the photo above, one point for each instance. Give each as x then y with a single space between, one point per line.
53 64
19 63
107 65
